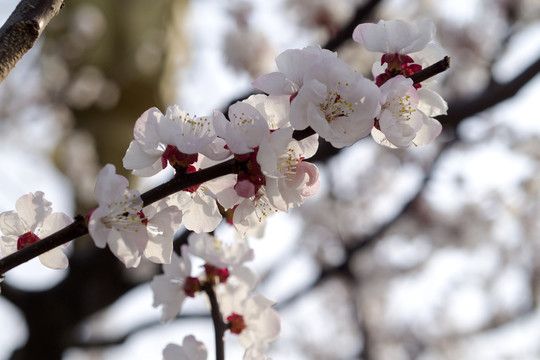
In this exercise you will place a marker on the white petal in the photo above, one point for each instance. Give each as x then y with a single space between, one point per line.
275 84
12 224
54 259
53 223
127 250
141 162
431 129
145 131
33 209
160 244
431 103
8 245
203 215
171 296
109 185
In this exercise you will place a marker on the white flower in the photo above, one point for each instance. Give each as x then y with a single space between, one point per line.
395 36
254 354
288 178
200 212
274 109
402 121
32 221
336 102
191 349
292 65
121 222
244 131
169 287
251 317
176 137
218 253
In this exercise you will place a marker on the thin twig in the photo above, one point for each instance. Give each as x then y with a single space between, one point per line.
219 324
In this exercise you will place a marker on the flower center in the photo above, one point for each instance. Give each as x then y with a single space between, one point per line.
236 323
177 158
216 275
288 164
191 286
196 126
401 107
335 106
262 207
126 214
26 239
398 64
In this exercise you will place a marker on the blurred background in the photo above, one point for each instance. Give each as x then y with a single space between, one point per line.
425 253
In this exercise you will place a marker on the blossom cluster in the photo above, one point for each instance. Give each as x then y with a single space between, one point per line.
269 138
248 315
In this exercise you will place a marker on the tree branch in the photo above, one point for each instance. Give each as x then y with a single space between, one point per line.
22 29
79 228
491 96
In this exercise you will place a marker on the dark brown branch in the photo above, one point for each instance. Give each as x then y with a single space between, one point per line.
361 15
491 96
188 180
22 29
432 70
219 325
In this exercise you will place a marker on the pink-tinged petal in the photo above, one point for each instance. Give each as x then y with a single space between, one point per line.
275 84
53 223
12 224
54 259
109 185
312 185
245 188
431 129
145 131
142 163
309 146
33 209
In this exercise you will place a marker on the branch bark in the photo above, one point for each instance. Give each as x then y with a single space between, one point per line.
22 29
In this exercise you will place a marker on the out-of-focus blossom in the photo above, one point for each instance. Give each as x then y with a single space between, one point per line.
191 349
174 285
32 221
